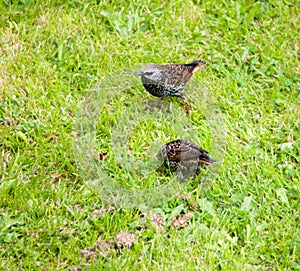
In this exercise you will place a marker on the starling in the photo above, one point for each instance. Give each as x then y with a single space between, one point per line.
184 157
168 80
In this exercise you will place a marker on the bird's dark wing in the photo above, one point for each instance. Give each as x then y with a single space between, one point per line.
179 74
202 154
176 75
185 151
179 150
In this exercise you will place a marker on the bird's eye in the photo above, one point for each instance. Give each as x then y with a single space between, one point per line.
149 73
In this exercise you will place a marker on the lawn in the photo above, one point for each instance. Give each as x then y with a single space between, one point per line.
79 184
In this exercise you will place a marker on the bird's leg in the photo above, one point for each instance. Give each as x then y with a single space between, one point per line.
186 106
184 172
198 170
181 173
151 104
160 107
170 106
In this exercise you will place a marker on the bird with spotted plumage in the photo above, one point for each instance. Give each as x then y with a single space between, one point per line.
168 80
184 157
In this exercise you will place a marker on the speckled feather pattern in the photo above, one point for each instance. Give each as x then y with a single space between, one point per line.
184 156
170 79
175 77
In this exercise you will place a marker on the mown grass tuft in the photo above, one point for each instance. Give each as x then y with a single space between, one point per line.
242 214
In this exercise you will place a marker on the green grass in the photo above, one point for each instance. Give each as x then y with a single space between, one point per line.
242 215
